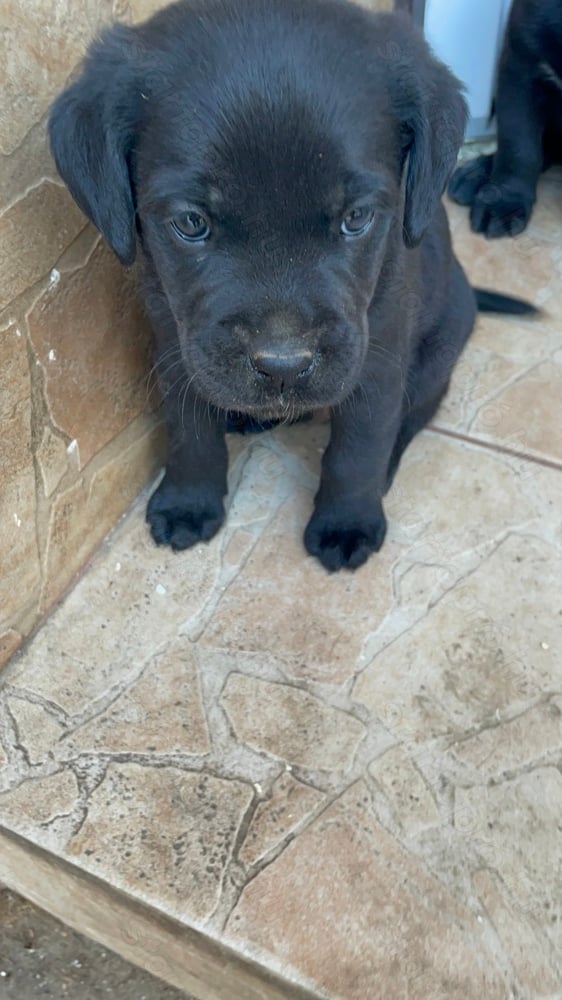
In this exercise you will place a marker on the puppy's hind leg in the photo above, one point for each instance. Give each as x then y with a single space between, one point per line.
430 373
414 420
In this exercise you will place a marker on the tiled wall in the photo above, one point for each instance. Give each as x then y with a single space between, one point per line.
77 436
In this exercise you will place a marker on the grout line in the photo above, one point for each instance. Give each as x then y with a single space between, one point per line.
547 463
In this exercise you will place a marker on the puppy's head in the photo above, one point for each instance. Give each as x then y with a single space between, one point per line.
272 158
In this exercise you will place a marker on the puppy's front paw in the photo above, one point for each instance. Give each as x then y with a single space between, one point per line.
469 178
341 543
181 518
498 211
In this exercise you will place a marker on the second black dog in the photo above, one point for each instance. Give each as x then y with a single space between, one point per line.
501 188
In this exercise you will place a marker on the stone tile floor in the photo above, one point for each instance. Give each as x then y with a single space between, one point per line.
259 780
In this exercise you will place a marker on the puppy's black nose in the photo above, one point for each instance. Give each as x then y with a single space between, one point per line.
282 369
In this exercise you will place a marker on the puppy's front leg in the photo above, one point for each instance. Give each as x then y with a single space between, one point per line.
187 507
348 523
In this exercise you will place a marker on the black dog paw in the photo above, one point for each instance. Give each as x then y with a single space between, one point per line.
498 212
468 179
181 518
340 545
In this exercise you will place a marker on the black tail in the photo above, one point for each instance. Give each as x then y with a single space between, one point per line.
493 302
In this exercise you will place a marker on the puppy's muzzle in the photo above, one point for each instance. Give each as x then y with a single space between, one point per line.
281 346
282 368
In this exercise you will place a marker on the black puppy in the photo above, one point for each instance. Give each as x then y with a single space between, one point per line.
501 188
280 163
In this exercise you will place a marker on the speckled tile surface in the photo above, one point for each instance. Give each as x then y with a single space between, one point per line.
354 781
507 388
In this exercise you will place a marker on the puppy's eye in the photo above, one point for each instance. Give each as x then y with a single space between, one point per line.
357 221
192 227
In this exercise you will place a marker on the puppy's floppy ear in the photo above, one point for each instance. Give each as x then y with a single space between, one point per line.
91 128
433 116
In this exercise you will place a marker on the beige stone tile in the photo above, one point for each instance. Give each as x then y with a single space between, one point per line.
529 274
515 828
19 555
67 545
37 731
38 801
527 739
262 483
499 353
53 460
410 798
120 616
331 905
291 724
164 834
9 643
239 545
533 957
506 388
456 627
95 360
449 498
52 37
526 415
83 514
289 803
27 166
479 654
140 10
525 267
518 342
305 442
160 712
33 233
285 603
